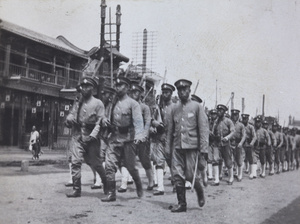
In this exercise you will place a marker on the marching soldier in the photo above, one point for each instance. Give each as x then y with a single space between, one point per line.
127 128
263 141
279 153
223 131
158 135
249 144
269 149
296 148
143 148
237 142
107 97
213 150
203 157
291 147
87 116
285 149
187 134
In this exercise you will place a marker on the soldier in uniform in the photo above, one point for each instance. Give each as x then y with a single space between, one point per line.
203 157
263 141
107 97
237 142
291 147
127 130
296 148
158 135
143 148
87 116
223 131
279 153
285 147
213 151
269 149
187 134
249 144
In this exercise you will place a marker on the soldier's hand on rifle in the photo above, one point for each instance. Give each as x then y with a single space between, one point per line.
225 139
105 122
240 146
152 130
155 123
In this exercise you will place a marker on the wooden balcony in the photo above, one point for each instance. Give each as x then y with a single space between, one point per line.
18 71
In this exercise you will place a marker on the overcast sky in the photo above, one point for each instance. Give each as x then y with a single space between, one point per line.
251 47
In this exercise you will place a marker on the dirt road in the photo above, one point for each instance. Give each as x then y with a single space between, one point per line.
38 196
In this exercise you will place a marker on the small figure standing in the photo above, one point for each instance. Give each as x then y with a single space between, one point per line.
34 143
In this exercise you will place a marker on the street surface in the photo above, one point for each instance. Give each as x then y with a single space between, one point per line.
38 196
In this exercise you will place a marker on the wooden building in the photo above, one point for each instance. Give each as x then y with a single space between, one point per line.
37 75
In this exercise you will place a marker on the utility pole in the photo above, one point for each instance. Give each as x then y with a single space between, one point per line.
263 106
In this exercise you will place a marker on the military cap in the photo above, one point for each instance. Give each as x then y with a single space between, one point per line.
265 122
107 89
244 116
196 98
122 80
89 81
166 86
222 107
275 123
137 87
235 111
258 118
213 111
182 83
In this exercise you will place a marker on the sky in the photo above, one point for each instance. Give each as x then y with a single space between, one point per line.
248 47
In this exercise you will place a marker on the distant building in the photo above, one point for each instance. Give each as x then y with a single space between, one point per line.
294 123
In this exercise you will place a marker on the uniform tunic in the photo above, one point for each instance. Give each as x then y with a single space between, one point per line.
263 140
143 148
224 127
296 147
86 117
279 151
269 150
127 124
249 143
158 140
187 134
238 138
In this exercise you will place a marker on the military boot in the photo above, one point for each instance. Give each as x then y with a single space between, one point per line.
76 189
180 190
111 189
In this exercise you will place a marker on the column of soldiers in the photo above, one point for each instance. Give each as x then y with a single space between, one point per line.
109 134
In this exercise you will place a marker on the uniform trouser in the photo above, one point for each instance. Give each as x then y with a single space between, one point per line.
269 155
215 155
143 152
260 153
279 155
126 152
225 153
91 155
250 154
210 154
183 166
297 156
238 155
288 155
103 147
158 155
